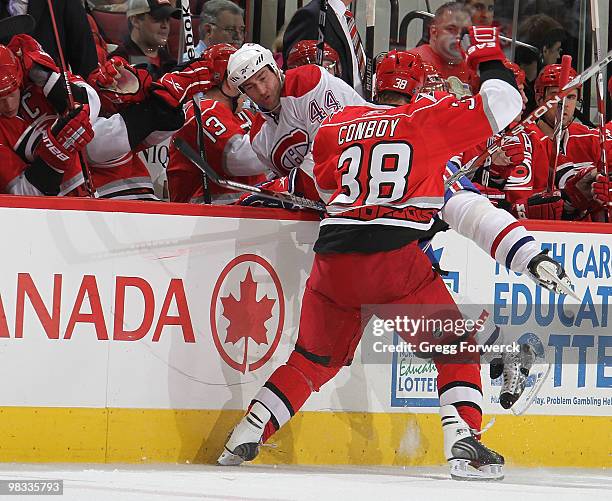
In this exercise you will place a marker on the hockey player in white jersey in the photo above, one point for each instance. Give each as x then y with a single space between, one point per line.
293 104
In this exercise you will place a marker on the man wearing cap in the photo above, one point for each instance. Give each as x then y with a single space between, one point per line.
149 22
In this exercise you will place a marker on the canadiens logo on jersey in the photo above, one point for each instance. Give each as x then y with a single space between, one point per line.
290 150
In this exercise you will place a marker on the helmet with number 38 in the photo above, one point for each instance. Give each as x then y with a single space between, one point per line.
401 72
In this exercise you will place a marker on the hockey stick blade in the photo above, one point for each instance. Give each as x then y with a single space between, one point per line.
201 164
532 118
15 25
522 404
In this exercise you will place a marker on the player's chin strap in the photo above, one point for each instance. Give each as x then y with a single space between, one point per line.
233 99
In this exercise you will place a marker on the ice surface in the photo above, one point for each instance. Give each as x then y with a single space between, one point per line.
258 483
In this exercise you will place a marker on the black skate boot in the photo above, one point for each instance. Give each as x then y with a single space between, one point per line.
245 439
467 457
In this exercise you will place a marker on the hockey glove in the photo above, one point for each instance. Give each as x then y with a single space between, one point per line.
66 136
512 153
602 189
540 206
578 189
548 273
176 87
484 46
119 84
33 57
285 184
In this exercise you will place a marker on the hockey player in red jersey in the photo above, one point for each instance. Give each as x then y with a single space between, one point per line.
40 136
225 135
380 172
305 52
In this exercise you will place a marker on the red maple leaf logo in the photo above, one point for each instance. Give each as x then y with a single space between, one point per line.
247 315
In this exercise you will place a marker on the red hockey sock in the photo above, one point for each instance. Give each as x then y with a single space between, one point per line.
460 385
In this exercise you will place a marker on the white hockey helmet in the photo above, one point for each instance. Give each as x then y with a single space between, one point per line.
248 60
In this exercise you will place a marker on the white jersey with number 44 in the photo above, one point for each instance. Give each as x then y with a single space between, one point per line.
309 95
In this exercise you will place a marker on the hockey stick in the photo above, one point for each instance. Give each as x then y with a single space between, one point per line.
197 113
15 25
201 164
186 45
322 26
533 117
566 64
64 69
369 49
601 102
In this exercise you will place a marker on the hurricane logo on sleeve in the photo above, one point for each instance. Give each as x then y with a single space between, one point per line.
290 150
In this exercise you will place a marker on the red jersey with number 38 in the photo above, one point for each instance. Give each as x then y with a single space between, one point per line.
380 170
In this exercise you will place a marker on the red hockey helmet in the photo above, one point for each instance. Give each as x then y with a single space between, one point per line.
400 71
433 79
305 52
549 77
519 74
216 58
11 74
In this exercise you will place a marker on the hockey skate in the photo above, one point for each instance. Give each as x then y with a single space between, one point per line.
245 439
467 457
515 370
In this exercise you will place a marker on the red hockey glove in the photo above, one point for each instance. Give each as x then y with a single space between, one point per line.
484 46
178 86
30 54
602 189
107 75
66 136
285 184
578 189
511 154
540 206
128 85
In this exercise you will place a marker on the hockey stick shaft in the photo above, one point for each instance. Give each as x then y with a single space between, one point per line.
186 41
601 99
369 48
64 69
197 113
201 164
532 118
322 26
566 64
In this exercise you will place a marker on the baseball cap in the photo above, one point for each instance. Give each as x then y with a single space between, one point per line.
159 9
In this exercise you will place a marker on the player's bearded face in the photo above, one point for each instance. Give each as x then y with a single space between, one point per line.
445 35
9 104
571 101
264 89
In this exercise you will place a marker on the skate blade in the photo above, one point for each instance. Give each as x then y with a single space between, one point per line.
228 458
462 470
527 398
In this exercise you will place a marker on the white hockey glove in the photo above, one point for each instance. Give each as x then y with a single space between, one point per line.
548 273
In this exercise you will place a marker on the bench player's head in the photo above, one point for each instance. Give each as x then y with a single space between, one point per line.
217 59
305 52
253 71
547 85
399 75
11 77
450 21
